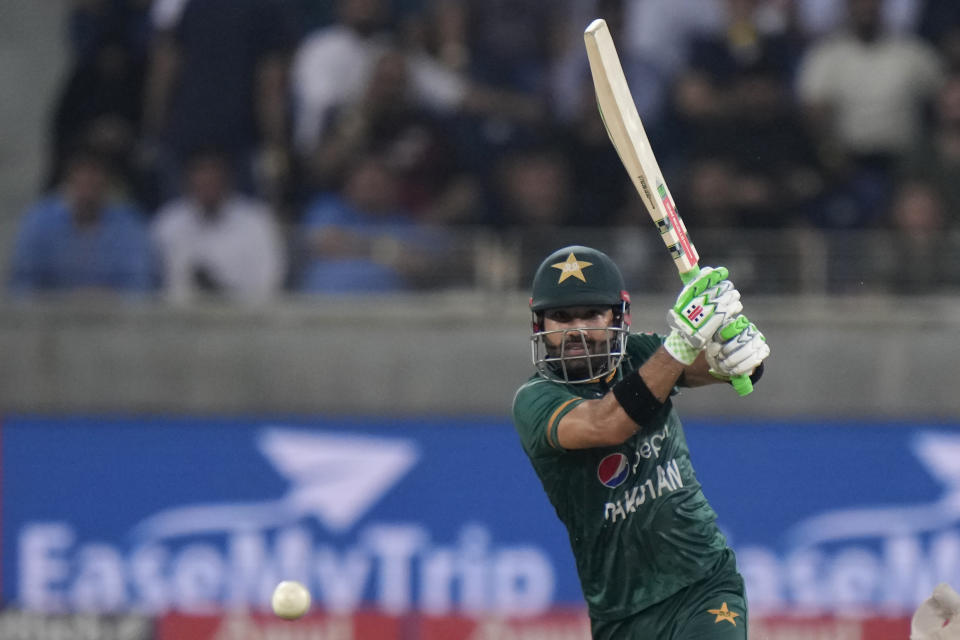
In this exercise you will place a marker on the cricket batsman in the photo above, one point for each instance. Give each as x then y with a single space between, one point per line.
600 429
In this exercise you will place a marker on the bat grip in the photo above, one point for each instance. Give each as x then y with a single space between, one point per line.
689 276
742 384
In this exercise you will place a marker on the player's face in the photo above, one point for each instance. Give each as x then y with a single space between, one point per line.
579 334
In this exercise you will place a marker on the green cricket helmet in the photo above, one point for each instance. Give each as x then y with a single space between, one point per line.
578 276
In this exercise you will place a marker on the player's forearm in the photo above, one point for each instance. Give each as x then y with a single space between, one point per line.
661 372
698 374
595 423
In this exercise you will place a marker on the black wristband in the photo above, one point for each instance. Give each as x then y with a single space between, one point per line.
636 399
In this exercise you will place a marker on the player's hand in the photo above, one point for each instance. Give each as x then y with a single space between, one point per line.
938 618
702 308
737 349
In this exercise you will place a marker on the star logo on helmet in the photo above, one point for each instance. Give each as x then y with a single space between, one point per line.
572 268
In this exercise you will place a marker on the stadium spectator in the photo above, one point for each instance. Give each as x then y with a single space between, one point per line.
511 43
818 18
738 126
217 241
533 190
100 106
482 112
80 239
333 66
649 80
710 196
440 29
218 78
864 90
388 123
93 20
660 32
602 189
359 240
725 68
915 258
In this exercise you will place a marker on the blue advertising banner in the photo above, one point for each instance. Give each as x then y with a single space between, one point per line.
443 515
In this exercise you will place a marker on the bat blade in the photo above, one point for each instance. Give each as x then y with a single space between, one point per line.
626 132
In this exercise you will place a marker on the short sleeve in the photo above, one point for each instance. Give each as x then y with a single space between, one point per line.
640 346
538 408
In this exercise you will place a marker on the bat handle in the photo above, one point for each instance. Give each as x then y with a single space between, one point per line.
742 384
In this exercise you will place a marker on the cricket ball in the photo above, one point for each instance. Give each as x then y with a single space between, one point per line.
290 600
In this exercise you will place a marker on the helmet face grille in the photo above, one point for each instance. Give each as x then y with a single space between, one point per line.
588 363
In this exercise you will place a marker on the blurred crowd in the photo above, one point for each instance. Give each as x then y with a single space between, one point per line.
246 147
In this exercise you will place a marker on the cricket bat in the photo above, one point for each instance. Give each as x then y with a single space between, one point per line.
623 125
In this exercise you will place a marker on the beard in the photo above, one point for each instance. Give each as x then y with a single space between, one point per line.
581 356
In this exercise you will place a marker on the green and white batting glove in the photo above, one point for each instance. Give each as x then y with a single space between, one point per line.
938 618
702 307
738 349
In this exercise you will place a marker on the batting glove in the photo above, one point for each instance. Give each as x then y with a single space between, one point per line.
702 308
938 618
738 349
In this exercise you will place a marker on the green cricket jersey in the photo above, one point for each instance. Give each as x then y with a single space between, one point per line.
640 527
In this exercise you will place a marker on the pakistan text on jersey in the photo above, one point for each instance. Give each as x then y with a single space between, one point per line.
668 479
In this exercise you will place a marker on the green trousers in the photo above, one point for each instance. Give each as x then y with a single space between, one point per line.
713 609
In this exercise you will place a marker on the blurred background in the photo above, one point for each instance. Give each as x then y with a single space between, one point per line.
264 304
